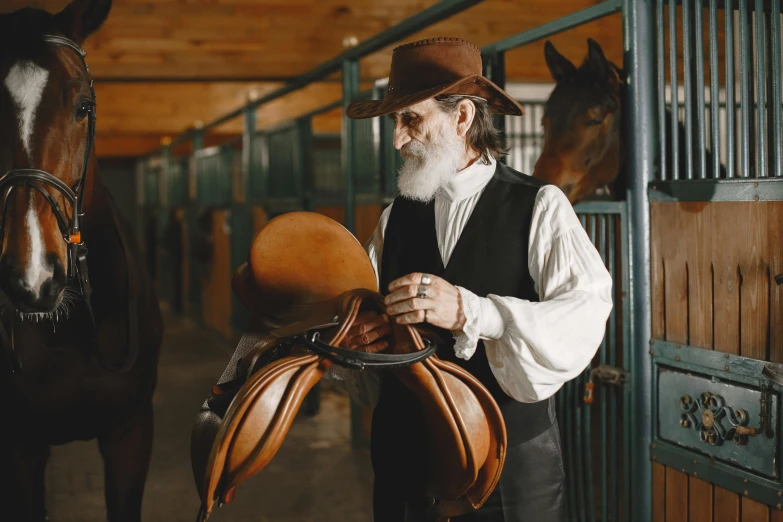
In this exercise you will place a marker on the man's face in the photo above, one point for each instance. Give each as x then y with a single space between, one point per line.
430 147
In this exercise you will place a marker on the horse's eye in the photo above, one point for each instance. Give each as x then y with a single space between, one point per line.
593 122
84 108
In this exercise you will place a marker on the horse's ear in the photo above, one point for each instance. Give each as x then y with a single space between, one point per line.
81 18
620 72
560 67
597 60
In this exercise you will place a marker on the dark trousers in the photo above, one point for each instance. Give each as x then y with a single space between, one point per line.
531 488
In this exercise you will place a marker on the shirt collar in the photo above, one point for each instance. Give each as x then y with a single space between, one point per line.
469 181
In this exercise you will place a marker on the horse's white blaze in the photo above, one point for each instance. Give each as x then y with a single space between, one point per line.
26 82
37 271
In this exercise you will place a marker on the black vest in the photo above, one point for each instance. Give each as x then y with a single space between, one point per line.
490 257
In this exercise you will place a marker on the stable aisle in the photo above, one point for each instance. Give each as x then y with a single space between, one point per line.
314 477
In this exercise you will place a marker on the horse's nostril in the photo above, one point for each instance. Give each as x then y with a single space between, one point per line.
51 288
26 298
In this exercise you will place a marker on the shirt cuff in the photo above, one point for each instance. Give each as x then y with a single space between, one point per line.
491 326
467 339
482 321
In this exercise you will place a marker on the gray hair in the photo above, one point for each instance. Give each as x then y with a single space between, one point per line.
482 136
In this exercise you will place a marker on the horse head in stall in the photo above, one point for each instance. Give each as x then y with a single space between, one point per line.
582 124
80 332
583 129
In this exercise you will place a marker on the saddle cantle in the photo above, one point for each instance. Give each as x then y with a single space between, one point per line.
306 281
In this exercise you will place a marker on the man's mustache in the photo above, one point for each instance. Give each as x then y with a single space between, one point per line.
413 149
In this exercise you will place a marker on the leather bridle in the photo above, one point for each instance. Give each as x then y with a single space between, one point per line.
70 227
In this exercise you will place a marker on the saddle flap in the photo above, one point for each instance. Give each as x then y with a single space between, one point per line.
463 426
492 465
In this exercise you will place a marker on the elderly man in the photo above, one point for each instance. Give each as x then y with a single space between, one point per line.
496 260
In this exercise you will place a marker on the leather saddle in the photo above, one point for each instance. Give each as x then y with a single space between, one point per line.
306 280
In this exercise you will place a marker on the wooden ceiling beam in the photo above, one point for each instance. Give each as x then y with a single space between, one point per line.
278 39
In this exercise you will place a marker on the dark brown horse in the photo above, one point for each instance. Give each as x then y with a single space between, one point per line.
584 128
80 332
582 124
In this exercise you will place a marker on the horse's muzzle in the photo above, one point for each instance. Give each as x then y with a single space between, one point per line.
40 296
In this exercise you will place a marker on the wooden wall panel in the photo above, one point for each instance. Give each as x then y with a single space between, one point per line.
711 267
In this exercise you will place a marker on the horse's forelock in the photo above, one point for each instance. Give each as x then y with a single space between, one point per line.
21 32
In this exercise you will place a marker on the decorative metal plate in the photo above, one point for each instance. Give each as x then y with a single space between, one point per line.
716 416
703 414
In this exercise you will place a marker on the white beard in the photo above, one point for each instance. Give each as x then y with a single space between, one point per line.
427 168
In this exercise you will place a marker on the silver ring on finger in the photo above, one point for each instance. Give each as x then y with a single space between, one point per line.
422 292
425 279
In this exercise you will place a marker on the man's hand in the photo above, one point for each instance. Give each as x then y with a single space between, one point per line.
367 333
441 307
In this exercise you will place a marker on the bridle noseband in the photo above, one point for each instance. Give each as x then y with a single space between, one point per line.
36 179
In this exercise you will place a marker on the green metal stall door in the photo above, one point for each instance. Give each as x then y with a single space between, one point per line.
594 408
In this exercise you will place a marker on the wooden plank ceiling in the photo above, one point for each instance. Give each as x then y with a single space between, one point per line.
162 65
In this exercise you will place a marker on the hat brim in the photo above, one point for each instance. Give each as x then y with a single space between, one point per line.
499 101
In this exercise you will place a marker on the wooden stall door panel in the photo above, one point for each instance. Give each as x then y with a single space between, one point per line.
658 221
754 283
700 507
698 253
676 301
727 505
676 496
658 492
753 511
726 283
774 241
216 293
712 270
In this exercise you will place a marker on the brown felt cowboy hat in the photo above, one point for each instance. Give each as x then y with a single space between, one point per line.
432 67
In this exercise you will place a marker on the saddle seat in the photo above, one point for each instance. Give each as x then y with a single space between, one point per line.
296 339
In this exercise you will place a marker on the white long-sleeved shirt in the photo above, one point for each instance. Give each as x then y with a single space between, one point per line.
532 347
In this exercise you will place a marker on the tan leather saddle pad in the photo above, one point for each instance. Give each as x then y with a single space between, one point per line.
297 338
